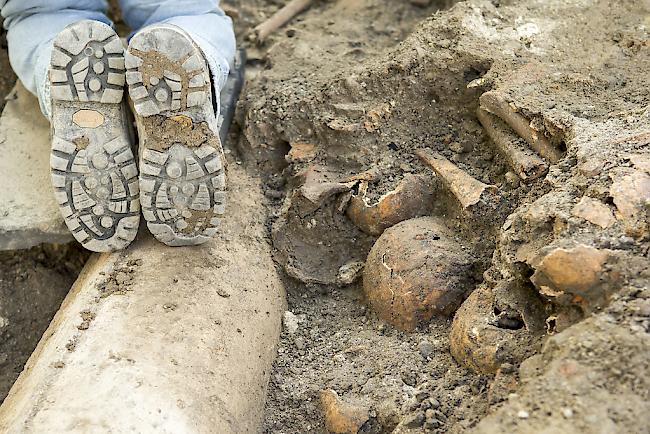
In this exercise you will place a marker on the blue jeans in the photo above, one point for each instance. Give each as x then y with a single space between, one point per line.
32 26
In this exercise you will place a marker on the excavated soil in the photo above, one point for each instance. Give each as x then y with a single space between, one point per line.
33 284
556 336
338 102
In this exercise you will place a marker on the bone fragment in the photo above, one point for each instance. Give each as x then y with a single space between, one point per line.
466 189
495 103
526 165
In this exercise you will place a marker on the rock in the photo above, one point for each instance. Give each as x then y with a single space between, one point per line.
575 276
290 322
415 420
567 413
412 198
594 211
523 414
426 349
417 270
631 195
512 179
350 272
301 152
341 417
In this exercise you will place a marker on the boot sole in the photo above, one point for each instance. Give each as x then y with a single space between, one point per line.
93 169
182 178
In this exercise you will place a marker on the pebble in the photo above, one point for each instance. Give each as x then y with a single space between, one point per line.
460 148
426 349
567 413
299 343
415 421
512 179
523 414
290 322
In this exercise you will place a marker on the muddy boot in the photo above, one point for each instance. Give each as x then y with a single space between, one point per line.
94 173
182 177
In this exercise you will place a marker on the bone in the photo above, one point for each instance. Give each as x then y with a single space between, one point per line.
466 189
526 164
495 103
413 197
280 18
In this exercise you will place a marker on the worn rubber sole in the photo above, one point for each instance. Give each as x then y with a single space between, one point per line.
94 174
182 178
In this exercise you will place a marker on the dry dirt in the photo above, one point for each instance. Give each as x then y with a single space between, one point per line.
33 284
556 336
348 92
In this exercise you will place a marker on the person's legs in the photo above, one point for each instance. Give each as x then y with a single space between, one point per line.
32 26
66 53
169 61
182 179
203 20
94 174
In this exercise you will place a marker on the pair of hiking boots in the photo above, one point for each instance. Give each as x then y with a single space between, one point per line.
179 183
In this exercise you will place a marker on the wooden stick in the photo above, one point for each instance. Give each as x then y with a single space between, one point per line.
466 189
280 18
495 103
526 164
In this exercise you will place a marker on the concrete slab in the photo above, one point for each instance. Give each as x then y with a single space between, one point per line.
29 215
161 339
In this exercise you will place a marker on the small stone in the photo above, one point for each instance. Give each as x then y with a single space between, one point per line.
523 414
414 421
302 152
350 272
290 322
299 343
341 417
426 349
434 403
567 413
512 179
594 211
460 148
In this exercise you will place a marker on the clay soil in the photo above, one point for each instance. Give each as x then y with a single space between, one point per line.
349 90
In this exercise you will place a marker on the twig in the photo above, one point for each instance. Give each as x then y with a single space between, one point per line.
495 103
280 18
526 164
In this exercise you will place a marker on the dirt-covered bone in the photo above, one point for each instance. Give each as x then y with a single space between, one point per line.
522 160
412 198
486 333
495 103
467 190
416 270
